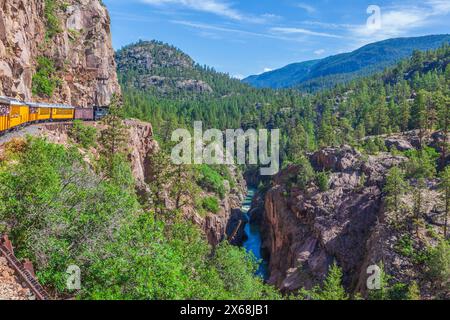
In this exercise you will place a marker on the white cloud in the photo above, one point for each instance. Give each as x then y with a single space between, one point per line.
211 6
439 6
319 52
203 26
327 25
238 76
308 8
303 31
401 20
218 7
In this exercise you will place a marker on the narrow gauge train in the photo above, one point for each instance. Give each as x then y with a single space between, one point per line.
15 113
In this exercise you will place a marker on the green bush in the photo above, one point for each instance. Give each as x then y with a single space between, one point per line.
305 174
211 180
405 246
44 81
323 181
211 204
439 265
422 163
84 135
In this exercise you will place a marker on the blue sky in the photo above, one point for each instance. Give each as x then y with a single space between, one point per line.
252 36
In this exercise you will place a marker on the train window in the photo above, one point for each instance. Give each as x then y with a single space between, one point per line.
4 109
63 111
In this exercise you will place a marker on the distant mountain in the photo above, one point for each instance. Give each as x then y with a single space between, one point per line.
324 73
164 70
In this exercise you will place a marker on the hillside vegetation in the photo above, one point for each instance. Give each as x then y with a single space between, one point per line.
77 206
395 100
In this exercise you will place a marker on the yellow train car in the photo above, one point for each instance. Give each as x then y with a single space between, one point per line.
33 114
14 113
4 116
44 111
18 115
62 112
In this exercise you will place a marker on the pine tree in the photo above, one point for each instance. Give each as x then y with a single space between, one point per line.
445 186
417 59
395 187
443 110
298 142
331 289
418 203
405 115
183 187
413 291
383 293
160 171
420 112
382 113
439 265
114 136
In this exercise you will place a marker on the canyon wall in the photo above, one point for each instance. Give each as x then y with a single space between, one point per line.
74 35
306 230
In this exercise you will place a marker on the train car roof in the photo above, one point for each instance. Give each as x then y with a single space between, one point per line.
11 101
49 105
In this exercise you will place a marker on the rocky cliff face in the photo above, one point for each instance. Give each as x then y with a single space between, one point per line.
74 35
307 230
229 221
141 146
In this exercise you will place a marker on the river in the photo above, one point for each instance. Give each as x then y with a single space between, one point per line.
253 232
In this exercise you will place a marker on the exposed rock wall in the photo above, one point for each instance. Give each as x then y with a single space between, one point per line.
141 146
81 51
305 231
229 221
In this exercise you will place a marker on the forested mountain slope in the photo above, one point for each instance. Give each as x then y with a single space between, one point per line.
382 103
325 73
167 71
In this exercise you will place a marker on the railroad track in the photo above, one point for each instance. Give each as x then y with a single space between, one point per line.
24 274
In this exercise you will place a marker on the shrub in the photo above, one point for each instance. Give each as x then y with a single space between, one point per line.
405 246
82 134
305 174
44 81
211 180
422 163
211 204
323 181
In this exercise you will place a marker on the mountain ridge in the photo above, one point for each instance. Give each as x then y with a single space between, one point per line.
313 75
